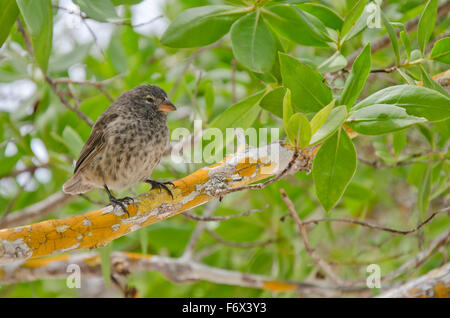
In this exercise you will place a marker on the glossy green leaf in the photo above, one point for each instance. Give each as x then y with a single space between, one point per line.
299 130
358 76
426 24
381 119
417 101
100 10
333 169
334 63
309 93
352 17
252 42
392 36
429 82
297 26
39 20
333 122
273 101
406 43
200 26
441 51
8 15
328 17
241 114
288 110
319 119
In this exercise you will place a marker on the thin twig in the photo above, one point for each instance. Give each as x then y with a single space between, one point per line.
302 229
374 226
204 218
63 100
266 183
199 229
31 169
223 241
420 258
408 161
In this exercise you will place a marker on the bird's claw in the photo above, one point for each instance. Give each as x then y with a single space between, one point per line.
161 185
123 203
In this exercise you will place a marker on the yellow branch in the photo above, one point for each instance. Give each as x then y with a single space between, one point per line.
98 228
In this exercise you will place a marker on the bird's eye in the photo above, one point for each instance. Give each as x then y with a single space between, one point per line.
149 99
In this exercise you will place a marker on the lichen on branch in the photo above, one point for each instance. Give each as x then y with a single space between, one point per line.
98 228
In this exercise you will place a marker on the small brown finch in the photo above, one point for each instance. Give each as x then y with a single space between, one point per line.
125 145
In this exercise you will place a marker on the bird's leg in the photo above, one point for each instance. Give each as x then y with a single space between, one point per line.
121 202
160 185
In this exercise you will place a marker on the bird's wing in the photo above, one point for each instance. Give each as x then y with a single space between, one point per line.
96 141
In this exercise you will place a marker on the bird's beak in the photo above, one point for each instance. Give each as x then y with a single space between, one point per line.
166 106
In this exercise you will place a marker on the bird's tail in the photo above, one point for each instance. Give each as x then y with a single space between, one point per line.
75 185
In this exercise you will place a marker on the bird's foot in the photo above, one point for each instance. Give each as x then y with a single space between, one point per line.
123 202
160 185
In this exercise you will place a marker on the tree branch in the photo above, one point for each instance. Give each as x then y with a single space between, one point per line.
435 283
98 228
179 270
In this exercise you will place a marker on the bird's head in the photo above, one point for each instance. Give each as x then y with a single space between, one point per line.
154 97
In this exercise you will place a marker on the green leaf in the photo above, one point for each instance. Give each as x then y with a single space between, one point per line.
399 141
407 78
334 63
200 26
309 93
441 51
319 119
299 130
241 114
426 24
406 43
333 168
72 141
381 119
8 15
417 101
427 134
328 17
297 26
252 43
423 195
288 111
358 76
143 240
61 63
333 122
100 10
393 36
273 101
352 17
429 82
209 98
105 258
39 20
